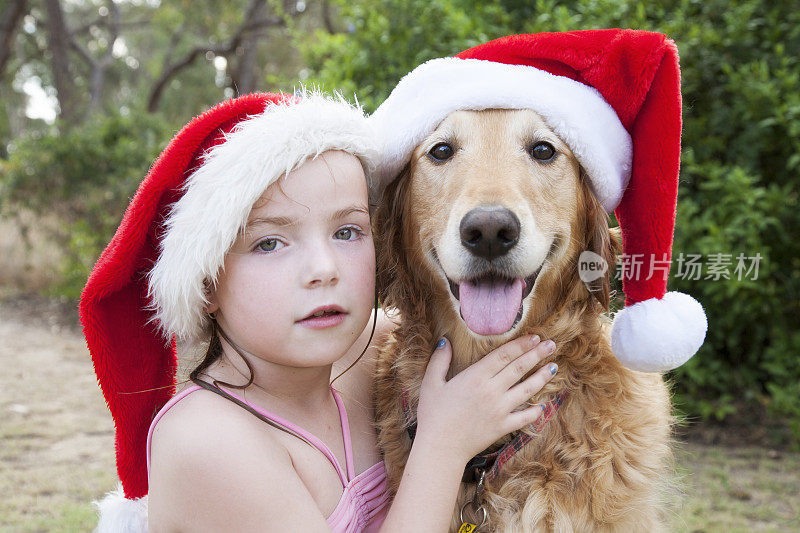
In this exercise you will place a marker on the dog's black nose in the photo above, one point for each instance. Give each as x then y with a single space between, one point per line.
489 232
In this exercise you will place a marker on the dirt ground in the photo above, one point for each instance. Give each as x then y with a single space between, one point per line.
57 451
57 455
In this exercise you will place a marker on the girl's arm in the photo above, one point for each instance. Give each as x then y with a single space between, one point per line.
458 419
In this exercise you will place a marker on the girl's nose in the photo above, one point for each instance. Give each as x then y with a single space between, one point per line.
323 269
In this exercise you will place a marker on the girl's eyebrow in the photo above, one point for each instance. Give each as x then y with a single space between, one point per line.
273 221
288 221
342 213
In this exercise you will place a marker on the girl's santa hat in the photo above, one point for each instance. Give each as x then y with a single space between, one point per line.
148 288
614 97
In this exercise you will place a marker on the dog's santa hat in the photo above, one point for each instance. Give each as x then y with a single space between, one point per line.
614 97
148 288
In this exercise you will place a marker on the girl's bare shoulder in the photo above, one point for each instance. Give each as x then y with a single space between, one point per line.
205 446
203 425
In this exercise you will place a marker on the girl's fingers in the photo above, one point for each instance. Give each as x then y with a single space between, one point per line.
498 359
514 371
519 419
521 393
439 363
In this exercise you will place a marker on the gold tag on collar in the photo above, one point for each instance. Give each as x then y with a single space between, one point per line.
466 527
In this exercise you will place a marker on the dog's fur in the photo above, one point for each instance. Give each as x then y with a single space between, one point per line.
601 462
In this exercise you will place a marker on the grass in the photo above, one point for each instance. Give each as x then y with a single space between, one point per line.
57 448
738 489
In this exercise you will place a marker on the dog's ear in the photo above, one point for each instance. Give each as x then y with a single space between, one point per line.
600 240
393 275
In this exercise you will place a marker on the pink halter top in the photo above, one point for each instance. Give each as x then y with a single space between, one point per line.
363 504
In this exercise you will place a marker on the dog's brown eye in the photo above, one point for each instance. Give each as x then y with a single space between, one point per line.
542 151
441 152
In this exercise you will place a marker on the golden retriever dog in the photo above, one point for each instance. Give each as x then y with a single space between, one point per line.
493 211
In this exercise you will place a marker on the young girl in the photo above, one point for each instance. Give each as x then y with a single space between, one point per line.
252 233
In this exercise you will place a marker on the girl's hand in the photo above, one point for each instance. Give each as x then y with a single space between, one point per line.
476 407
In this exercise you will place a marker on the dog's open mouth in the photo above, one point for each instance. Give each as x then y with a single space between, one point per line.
492 305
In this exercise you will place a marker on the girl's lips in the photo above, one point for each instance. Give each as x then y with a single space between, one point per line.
324 321
331 315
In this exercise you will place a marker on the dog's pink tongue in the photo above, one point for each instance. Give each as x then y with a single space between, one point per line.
489 307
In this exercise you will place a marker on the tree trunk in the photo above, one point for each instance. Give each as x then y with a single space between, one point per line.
243 72
9 20
252 25
59 41
327 18
99 67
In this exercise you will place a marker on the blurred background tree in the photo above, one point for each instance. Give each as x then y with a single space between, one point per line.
92 90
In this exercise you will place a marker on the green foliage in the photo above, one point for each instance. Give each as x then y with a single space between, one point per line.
79 182
739 195
741 88
385 39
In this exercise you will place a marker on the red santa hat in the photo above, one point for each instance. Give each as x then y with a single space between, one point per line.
148 288
614 97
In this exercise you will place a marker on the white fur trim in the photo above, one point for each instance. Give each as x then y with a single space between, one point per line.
120 515
204 222
659 335
576 112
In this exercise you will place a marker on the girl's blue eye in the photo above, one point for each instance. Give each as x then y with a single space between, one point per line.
267 245
344 234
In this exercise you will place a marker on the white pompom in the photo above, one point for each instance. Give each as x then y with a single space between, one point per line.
121 515
659 335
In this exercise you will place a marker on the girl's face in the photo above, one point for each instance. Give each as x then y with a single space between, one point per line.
298 285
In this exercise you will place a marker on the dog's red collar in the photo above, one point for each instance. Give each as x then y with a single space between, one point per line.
491 463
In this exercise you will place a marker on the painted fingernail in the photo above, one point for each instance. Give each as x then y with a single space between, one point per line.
553 369
550 346
543 406
441 343
535 339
